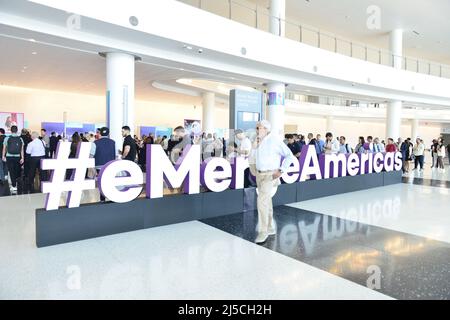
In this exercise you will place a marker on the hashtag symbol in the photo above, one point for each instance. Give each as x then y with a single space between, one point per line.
57 184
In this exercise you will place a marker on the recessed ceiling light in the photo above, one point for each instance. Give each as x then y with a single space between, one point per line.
187 47
34 52
181 69
32 40
25 67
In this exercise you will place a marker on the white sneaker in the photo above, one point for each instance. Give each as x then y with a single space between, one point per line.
262 237
13 189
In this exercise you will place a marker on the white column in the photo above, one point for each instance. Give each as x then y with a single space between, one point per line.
394 108
208 106
396 47
120 94
330 125
276 91
276 106
393 120
277 17
414 129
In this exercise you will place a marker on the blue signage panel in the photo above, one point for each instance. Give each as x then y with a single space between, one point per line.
245 109
57 127
145 131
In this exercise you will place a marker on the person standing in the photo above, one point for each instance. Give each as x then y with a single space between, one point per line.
53 144
74 145
26 138
36 151
129 148
46 140
378 146
418 152
369 144
3 169
331 145
360 146
244 145
300 141
344 148
164 143
13 154
441 154
207 147
404 149
104 151
218 146
391 146
320 144
293 146
267 158
433 150
313 142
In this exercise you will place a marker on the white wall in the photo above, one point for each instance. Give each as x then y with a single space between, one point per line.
48 106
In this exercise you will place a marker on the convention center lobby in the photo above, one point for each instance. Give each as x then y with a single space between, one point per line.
224 150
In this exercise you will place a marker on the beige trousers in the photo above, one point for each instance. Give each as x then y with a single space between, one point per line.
265 184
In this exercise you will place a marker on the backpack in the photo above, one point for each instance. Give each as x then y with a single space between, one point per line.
14 145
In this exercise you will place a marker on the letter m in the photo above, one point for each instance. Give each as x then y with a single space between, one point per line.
186 171
335 166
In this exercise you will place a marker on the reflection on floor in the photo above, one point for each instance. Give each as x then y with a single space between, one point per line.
427 182
429 173
413 209
410 267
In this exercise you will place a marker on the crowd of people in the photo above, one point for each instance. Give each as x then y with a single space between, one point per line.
21 154
410 151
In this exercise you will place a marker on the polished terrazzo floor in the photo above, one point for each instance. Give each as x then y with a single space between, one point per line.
410 267
325 249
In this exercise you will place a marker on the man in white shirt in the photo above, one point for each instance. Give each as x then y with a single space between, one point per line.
378 146
331 145
37 151
245 145
269 150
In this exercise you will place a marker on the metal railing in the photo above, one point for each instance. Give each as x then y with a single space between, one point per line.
340 101
256 17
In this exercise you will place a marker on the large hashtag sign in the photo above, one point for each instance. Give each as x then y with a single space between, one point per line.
57 184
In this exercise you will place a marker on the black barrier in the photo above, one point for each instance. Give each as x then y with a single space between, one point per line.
103 219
